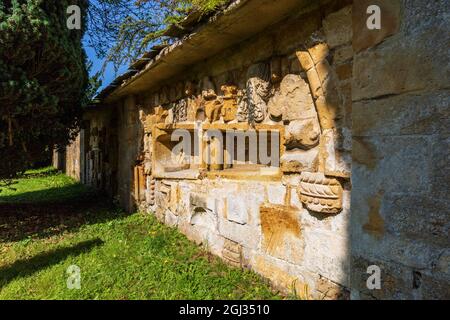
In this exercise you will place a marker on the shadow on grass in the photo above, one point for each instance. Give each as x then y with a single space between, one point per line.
66 193
67 209
27 267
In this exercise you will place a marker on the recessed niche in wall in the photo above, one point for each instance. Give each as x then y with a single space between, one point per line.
183 151
171 159
238 150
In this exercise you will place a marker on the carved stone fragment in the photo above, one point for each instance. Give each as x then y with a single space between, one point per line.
208 89
242 110
319 193
180 111
293 101
257 91
151 190
229 108
303 134
232 252
159 116
213 110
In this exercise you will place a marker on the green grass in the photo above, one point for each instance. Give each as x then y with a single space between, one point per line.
120 256
42 185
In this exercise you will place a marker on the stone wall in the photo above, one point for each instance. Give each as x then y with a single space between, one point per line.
290 224
362 121
400 175
69 161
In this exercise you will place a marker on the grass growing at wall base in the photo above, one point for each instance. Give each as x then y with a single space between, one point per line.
120 256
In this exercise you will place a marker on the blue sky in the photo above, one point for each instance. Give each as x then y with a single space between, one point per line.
109 74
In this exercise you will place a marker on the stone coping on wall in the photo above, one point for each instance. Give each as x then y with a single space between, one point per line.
239 21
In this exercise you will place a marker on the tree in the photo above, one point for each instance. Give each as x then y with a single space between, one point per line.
122 30
43 80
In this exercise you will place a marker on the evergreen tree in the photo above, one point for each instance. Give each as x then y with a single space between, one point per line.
43 80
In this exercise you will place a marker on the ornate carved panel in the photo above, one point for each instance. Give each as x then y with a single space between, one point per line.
319 193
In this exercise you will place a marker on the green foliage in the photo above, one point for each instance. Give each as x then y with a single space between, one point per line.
122 30
43 80
120 256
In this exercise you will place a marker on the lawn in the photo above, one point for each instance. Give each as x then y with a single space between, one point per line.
50 222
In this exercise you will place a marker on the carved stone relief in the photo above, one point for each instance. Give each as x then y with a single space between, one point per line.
229 108
303 134
159 116
232 252
151 190
180 111
212 105
242 110
257 91
320 193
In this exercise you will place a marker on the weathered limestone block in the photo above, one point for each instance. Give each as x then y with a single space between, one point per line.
329 290
237 210
203 212
343 54
396 280
319 193
171 219
283 276
246 235
338 27
305 60
408 114
282 233
376 72
332 162
276 194
418 217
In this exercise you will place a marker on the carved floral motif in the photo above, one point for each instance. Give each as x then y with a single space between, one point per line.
320 193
